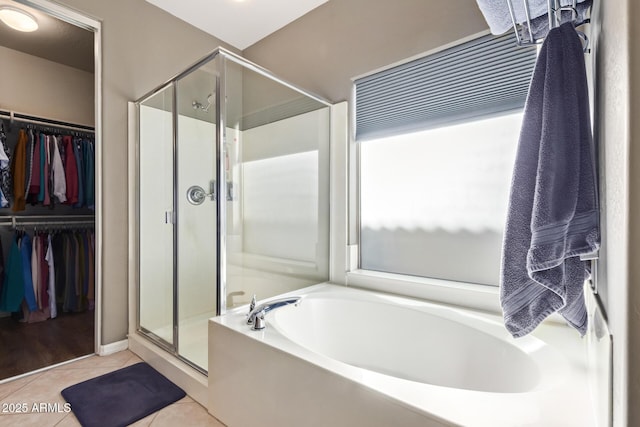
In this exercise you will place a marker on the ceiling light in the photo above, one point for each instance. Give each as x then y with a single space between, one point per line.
18 19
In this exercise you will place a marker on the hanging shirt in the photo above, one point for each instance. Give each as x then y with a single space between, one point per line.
34 186
71 170
29 163
43 270
77 151
59 260
35 272
4 158
89 174
13 287
42 313
52 279
25 252
18 171
3 200
47 171
43 172
5 168
59 179
70 299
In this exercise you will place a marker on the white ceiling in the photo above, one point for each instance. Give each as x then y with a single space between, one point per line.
240 23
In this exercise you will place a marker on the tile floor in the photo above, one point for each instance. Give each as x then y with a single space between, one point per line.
45 387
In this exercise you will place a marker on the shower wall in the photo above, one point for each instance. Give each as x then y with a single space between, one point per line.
196 224
277 239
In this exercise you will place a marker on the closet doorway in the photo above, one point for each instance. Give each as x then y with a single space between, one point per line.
49 188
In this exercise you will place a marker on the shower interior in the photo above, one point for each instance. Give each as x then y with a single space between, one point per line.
232 179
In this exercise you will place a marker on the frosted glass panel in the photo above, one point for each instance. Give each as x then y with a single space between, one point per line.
434 203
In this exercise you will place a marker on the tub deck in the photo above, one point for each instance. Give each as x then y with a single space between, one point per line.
268 378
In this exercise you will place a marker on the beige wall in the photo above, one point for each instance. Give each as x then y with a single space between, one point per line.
342 39
142 48
38 87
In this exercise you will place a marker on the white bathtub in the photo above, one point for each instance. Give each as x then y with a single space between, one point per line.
347 357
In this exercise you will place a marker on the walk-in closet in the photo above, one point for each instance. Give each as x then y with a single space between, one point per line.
47 193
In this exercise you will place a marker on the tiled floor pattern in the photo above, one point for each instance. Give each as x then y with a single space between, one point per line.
44 388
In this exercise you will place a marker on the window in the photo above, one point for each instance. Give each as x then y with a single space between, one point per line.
435 168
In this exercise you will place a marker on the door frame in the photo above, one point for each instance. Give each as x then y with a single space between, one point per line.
73 17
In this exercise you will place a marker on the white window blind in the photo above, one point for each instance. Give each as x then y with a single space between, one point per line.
484 77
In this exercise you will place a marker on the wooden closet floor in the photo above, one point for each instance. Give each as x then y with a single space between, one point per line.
25 347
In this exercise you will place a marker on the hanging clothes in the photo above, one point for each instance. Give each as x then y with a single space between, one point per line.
5 169
47 169
25 254
41 311
58 174
13 287
18 171
43 163
53 307
90 174
47 272
29 162
71 170
34 180
46 197
77 152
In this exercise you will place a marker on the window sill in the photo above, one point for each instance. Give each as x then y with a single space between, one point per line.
473 296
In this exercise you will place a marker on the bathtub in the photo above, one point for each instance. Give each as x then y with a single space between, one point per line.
349 357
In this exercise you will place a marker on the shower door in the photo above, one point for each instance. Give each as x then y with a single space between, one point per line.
177 211
155 213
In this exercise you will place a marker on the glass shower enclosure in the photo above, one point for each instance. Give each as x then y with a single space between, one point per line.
233 197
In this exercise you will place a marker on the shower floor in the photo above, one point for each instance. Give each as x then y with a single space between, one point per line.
192 339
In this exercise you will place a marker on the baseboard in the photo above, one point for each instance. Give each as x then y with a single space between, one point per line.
114 347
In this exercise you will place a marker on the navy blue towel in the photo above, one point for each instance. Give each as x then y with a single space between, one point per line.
553 208
121 397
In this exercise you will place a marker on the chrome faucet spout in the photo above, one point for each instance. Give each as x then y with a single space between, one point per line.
259 311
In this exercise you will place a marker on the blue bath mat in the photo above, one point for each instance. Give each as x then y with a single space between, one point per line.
121 397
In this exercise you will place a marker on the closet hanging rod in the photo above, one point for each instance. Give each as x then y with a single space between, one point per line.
26 118
60 217
53 224
31 220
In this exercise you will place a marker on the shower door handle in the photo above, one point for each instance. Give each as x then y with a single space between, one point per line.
196 194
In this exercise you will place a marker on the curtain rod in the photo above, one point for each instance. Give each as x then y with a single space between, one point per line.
11 115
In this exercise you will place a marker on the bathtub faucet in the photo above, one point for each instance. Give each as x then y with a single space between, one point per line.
257 313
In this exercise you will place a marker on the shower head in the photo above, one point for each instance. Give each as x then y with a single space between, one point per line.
199 106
